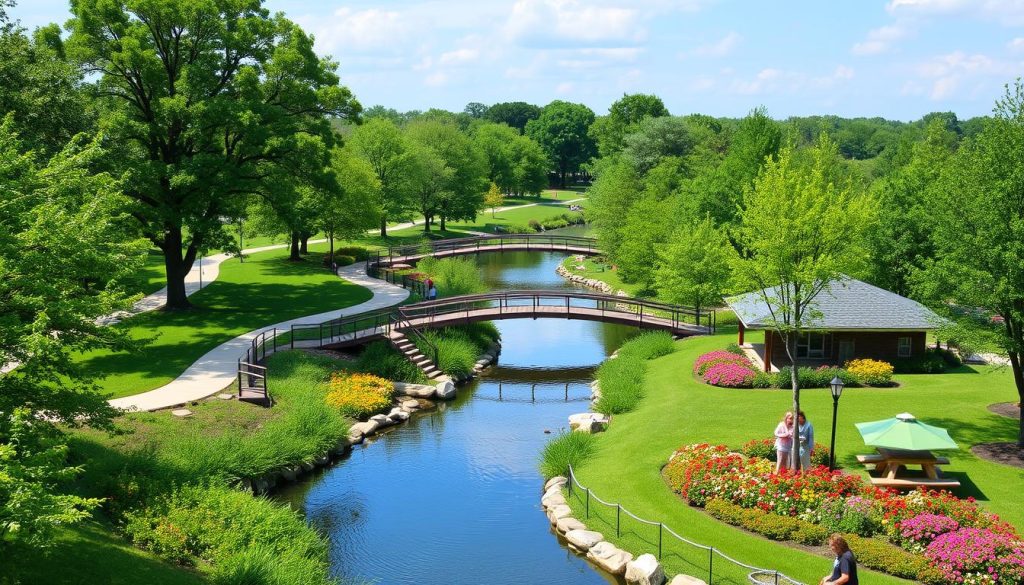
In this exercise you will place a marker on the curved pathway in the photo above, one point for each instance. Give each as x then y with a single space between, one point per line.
219 367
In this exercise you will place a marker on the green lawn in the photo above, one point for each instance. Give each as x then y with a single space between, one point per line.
263 290
678 410
88 554
518 216
549 196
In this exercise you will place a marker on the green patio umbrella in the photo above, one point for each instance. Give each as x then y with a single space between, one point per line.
905 432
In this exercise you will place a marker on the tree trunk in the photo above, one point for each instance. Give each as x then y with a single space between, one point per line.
295 256
330 257
304 244
1018 380
426 223
383 226
177 265
442 223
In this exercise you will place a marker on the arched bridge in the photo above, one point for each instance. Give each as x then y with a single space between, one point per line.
413 253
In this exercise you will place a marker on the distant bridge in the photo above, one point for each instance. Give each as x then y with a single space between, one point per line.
413 253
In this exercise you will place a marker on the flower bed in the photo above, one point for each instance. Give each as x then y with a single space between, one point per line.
729 369
359 395
948 540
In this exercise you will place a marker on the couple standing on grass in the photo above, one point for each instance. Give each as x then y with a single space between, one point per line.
784 434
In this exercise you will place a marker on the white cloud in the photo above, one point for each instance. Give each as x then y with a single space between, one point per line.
774 80
360 30
1016 45
459 56
564 88
436 79
1007 12
719 48
879 40
946 74
554 23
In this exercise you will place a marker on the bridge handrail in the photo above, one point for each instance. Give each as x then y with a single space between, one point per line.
434 246
530 293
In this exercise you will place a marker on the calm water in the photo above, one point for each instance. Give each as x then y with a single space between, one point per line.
453 496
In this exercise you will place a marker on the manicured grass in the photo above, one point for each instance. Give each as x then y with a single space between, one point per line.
677 409
548 196
90 553
150 278
600 269
263 290
519 216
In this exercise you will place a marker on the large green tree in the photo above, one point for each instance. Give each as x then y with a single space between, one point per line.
979 228
207 103
387 151
623 117
696 266
459 173
802 228
514 114
562 130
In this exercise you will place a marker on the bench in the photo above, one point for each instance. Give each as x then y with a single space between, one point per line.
877 458
911 483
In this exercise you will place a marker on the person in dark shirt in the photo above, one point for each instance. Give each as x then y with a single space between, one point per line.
844 569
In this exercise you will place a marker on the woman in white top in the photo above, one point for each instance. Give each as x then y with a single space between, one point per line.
783 441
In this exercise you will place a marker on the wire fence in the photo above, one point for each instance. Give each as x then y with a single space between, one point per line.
676 553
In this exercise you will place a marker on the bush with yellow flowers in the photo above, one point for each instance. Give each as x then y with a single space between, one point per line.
870 372
359 395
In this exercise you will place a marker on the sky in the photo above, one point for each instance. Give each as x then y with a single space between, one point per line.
897 59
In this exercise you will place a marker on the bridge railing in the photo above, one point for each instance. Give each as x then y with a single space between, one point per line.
487 243
342 328
514 300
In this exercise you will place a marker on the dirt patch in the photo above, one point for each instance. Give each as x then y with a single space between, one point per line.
1007 409
1005 453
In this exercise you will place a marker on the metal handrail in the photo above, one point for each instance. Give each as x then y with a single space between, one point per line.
401 323
433 246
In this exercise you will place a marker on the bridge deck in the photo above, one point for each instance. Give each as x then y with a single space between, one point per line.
474 249
555 311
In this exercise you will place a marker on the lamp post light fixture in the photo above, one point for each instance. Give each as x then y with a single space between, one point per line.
836 386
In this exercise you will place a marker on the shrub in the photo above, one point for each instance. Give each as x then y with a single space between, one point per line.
730 375
564 450
972 555
516 228
915 534
932 362
776 527
453 276
621 381
534 225
885 557
763 379
735 348
381 359
871 372
217 524
456 353
854 515
648 346
358 252
810 534
359 395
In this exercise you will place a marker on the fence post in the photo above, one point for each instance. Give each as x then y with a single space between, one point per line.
711 564
618 515
588 503
660 527
776 578
568 469
275 339
291 340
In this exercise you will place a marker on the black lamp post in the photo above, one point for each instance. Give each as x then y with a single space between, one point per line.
836 386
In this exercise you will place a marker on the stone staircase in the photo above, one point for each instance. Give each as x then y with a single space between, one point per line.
405 345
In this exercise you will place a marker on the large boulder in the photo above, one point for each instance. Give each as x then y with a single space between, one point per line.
645 570
610 558
445 389
569 523
588 422
582 540
364 428
558 512
686 580
414 390
557 480
553 499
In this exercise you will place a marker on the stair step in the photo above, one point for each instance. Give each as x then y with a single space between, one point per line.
423 362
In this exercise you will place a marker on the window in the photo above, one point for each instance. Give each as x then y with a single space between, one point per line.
846 351
903 347
811 345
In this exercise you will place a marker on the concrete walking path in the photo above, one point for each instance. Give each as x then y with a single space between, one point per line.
219 367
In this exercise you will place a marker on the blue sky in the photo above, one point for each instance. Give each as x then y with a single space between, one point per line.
893 58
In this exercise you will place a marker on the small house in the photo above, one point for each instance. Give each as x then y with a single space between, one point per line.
852 319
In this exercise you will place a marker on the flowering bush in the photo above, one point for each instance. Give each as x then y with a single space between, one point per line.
730 375
359 395
977 555
713 358
961 543
918 532
870 372
765 449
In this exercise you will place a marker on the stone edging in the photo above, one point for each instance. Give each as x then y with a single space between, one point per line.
643 570
584 281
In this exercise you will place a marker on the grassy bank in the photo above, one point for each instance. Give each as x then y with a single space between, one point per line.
263 290
677 409
168 483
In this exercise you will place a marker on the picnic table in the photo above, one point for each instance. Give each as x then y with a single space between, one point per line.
888 463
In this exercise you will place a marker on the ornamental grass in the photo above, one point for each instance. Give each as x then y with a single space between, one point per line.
359 395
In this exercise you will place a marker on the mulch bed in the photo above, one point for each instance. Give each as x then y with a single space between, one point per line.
1007 409
1005 453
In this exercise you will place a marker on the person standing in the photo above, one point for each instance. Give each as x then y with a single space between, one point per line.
806 432
783 441
431 292
844 568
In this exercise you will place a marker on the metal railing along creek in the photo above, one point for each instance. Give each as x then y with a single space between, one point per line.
699 560
485 243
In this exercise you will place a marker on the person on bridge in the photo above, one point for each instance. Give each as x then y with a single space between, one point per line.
431 292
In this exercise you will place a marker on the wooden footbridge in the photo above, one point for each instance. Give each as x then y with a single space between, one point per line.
402 326
413 253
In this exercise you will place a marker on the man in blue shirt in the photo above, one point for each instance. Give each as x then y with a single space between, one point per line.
844 569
